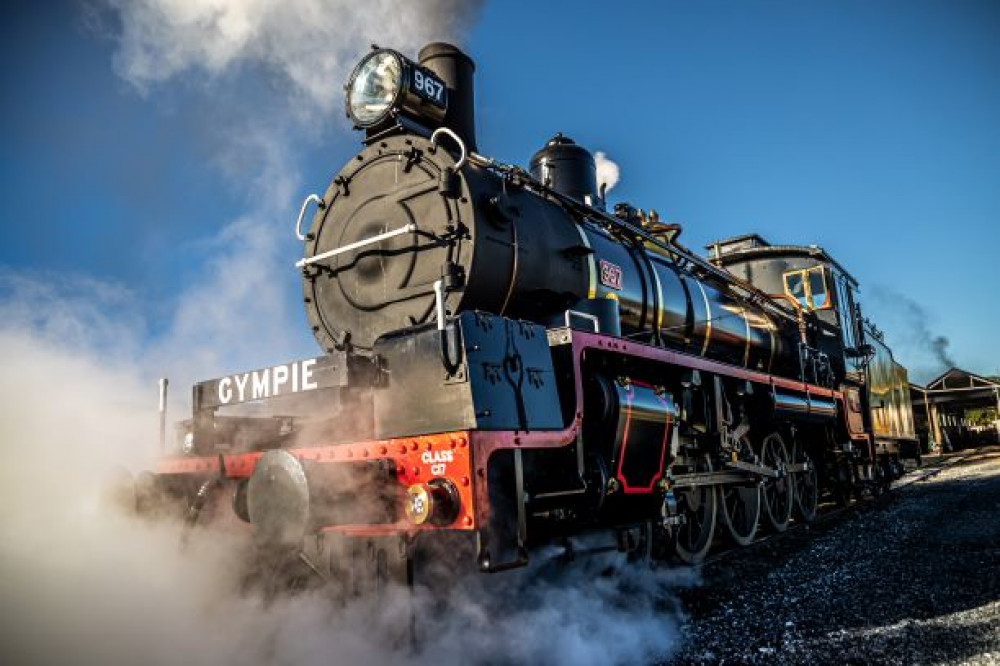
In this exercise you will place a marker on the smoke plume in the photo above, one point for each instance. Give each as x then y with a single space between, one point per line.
607 171
81 582
940 346
909 334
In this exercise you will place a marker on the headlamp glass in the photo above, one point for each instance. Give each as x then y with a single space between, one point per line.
374 88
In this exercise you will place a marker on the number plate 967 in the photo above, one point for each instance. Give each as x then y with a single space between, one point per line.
428 87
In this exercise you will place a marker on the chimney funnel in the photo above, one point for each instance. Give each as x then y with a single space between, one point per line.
457 70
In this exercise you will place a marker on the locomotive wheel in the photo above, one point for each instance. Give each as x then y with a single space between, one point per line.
806 485
778 492
637 543
739 508
882 478
876 483
694 537
888 473
842 484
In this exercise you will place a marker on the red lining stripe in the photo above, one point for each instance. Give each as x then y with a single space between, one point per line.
663 445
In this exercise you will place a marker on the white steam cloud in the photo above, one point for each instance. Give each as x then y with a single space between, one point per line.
82 584
86 585
311 43
607 171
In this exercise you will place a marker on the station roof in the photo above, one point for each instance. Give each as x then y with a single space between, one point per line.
958 378
958 388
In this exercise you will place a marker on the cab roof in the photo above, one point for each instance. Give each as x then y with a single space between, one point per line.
747 247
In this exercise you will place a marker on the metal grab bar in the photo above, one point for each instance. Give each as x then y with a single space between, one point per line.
583 315
454 137
357 244
439 311
449 335
302 213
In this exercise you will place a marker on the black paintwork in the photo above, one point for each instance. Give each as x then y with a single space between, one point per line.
503 379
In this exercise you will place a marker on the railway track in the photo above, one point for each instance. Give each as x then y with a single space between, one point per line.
829 512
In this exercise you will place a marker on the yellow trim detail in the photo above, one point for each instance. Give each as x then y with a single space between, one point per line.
746 347
708 317
770 359
804 274
659 298
591 264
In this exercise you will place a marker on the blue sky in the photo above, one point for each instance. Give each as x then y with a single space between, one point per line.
869 128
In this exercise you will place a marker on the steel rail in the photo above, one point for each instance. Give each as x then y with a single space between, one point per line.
920 474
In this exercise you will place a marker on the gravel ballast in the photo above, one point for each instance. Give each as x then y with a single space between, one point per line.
913 578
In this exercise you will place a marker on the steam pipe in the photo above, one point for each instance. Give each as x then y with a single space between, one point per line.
451 365
800 314
163 412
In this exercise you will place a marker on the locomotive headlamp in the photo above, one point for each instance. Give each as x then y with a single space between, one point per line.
374 87
385 82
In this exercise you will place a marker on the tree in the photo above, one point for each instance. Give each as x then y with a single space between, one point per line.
983 416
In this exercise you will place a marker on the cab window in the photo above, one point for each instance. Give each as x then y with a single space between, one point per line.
795 287
808 287
818 293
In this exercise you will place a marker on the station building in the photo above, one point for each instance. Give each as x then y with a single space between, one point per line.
941 411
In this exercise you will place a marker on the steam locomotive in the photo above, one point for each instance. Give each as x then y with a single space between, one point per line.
507 362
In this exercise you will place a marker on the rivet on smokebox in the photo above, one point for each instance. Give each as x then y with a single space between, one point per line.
462 441
413 445
402 448
415 471
429 446
468 521
465 480
382 450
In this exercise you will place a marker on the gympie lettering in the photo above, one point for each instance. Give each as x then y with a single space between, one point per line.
268 383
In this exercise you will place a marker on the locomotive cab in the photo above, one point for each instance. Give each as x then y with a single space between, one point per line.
812 282
807 280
